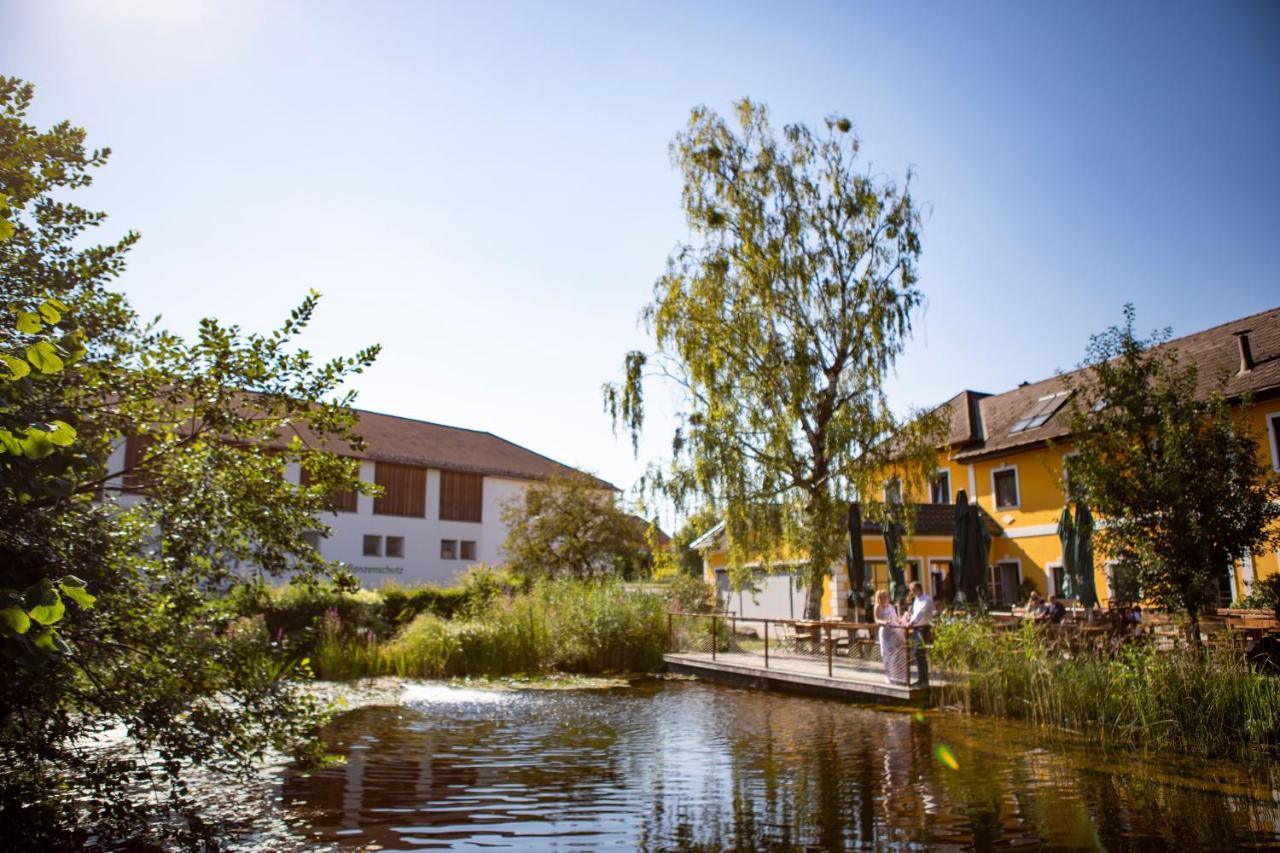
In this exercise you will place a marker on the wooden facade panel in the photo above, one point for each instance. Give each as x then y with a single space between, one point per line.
461 496
404 490
343 500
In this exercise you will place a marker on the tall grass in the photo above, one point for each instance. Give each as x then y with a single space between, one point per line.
559 626
1192 700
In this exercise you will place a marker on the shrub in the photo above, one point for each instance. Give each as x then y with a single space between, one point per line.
1189 699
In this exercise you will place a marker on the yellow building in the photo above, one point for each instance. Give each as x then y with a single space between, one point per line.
1007 452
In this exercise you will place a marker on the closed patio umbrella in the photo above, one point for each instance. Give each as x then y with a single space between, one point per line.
979 550
960 535
1088 592
1070 571
857 564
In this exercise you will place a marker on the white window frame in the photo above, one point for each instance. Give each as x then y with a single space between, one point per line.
941 472
1017 563
1017 488
940 562
1051 586
888 484
386 540
1273 438
364 545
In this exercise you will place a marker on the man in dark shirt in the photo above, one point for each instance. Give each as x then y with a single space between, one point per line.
1055 610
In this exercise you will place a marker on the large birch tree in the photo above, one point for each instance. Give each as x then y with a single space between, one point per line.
778 321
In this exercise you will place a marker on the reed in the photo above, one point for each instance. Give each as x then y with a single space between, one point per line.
1192 700
560 626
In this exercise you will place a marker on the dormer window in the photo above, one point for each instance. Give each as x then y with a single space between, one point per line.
1040 413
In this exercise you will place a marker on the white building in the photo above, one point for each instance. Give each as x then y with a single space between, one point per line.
441 509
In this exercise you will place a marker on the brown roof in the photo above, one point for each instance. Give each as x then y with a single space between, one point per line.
935 520
392 438
979 424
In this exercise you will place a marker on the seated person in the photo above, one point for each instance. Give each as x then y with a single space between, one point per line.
1035 607
1055 611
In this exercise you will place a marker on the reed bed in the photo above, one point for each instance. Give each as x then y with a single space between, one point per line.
1207 701
578 627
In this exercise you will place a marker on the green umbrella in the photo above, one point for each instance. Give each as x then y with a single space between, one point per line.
1088 592
979 550
893 550
856 562
1070 571
961 533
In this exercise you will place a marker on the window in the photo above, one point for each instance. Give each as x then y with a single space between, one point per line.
893 491
1056 575
941 584
1004 483
448 549
135 451
1005 578
404 490
1040 413
878 571
343 500
468 549
372 546
940 488
312 539
460 496
395 546
1273 430
912 570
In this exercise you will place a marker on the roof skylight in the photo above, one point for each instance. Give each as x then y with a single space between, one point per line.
1040 413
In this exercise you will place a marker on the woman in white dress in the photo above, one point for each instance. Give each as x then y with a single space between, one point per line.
892 639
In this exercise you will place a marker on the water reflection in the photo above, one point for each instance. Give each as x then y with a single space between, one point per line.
692 766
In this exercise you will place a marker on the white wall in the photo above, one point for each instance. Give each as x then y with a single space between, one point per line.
421 562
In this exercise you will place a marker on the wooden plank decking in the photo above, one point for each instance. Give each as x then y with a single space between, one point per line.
797 675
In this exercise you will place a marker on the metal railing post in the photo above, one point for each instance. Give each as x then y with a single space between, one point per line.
714 639
766 644
907 648
733 631
828 627
670 635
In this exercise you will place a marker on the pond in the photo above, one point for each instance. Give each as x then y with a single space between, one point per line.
685 765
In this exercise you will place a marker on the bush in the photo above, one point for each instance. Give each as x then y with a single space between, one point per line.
567 626
1187 699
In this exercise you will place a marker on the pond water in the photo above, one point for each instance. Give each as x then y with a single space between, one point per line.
684 765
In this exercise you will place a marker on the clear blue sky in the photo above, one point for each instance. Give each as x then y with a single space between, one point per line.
485 188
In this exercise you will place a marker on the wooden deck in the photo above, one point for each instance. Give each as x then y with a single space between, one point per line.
797 675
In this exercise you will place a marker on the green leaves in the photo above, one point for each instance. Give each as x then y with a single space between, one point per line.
28 323
44 357
74 588
44 605
13 620
18 368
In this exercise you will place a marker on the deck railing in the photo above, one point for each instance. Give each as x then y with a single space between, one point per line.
841 646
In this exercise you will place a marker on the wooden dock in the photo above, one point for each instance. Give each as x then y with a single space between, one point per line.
797 675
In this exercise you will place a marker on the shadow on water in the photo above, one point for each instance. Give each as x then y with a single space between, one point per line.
676 765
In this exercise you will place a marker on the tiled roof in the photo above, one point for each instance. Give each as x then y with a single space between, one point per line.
391 438
1215 352
935 520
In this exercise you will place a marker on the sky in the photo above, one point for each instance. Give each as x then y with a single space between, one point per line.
485 188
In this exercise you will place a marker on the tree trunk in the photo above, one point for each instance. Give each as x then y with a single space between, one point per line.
813 601
1193 627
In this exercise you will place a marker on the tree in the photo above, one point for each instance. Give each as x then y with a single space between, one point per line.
778 323
569 527
1174 471
111 616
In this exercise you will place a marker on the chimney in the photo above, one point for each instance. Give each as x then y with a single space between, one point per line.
1246 353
